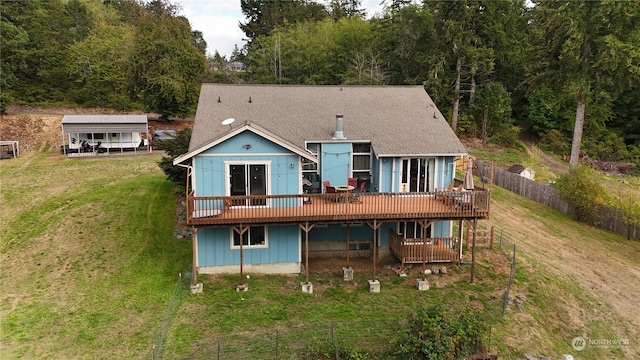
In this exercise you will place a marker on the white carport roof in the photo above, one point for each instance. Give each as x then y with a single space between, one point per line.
104 123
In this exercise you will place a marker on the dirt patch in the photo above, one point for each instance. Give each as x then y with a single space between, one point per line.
39 129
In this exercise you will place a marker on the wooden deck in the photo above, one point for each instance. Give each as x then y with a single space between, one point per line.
273 209
433 250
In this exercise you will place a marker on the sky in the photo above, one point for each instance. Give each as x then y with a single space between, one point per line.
218 21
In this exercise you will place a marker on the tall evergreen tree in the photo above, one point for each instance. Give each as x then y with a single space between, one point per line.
408 44
589 49
263 16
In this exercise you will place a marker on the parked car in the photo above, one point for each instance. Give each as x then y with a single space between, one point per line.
162 135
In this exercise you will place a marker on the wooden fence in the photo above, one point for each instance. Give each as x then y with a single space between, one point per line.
543 193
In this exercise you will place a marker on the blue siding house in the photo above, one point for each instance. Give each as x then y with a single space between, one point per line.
278 174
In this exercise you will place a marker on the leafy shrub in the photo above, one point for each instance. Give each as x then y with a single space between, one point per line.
175 148
508 136
556 142
627 205
433 333
580 189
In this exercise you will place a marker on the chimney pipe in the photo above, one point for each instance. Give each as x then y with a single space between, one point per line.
338 134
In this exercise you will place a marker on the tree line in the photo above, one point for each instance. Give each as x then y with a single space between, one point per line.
566 72
118 54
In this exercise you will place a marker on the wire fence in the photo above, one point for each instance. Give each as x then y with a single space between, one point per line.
177 296
312 340
507 244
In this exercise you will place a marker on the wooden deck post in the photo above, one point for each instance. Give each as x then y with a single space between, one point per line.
306 228
375 226
241 230
194 244
424 251
459 249
348 238
473 252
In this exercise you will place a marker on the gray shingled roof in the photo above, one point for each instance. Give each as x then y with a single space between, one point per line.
398 120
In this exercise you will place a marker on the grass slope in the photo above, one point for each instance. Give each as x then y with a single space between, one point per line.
89 263
88 260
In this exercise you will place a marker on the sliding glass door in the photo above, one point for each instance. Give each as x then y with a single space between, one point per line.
248 179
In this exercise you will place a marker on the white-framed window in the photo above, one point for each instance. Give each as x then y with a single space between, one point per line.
254 237
361 160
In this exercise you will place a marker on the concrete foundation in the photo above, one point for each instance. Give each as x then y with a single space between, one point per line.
374 286
422 284
196 288
307 287
347 273
242 287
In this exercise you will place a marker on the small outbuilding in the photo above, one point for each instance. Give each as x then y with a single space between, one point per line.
9 149
95 134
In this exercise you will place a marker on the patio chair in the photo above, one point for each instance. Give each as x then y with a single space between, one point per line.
445 196
355 195
330 190
352 182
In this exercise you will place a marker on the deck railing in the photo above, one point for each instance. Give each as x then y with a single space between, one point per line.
430 250
295 208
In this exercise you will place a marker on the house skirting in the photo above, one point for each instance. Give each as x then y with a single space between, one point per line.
280 268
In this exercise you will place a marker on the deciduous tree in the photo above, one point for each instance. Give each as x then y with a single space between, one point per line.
166 63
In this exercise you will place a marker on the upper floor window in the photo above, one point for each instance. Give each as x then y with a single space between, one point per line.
361 160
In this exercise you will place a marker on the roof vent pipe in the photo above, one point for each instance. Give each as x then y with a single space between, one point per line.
338 134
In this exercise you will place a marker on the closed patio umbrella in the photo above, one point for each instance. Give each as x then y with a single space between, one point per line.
468 176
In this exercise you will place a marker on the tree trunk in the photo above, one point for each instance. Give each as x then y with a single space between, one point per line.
456 102
472 91
577 134
485 123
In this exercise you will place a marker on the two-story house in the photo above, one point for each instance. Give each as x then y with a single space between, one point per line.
269 170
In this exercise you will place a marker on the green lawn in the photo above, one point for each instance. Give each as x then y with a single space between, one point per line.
89 266
88 259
